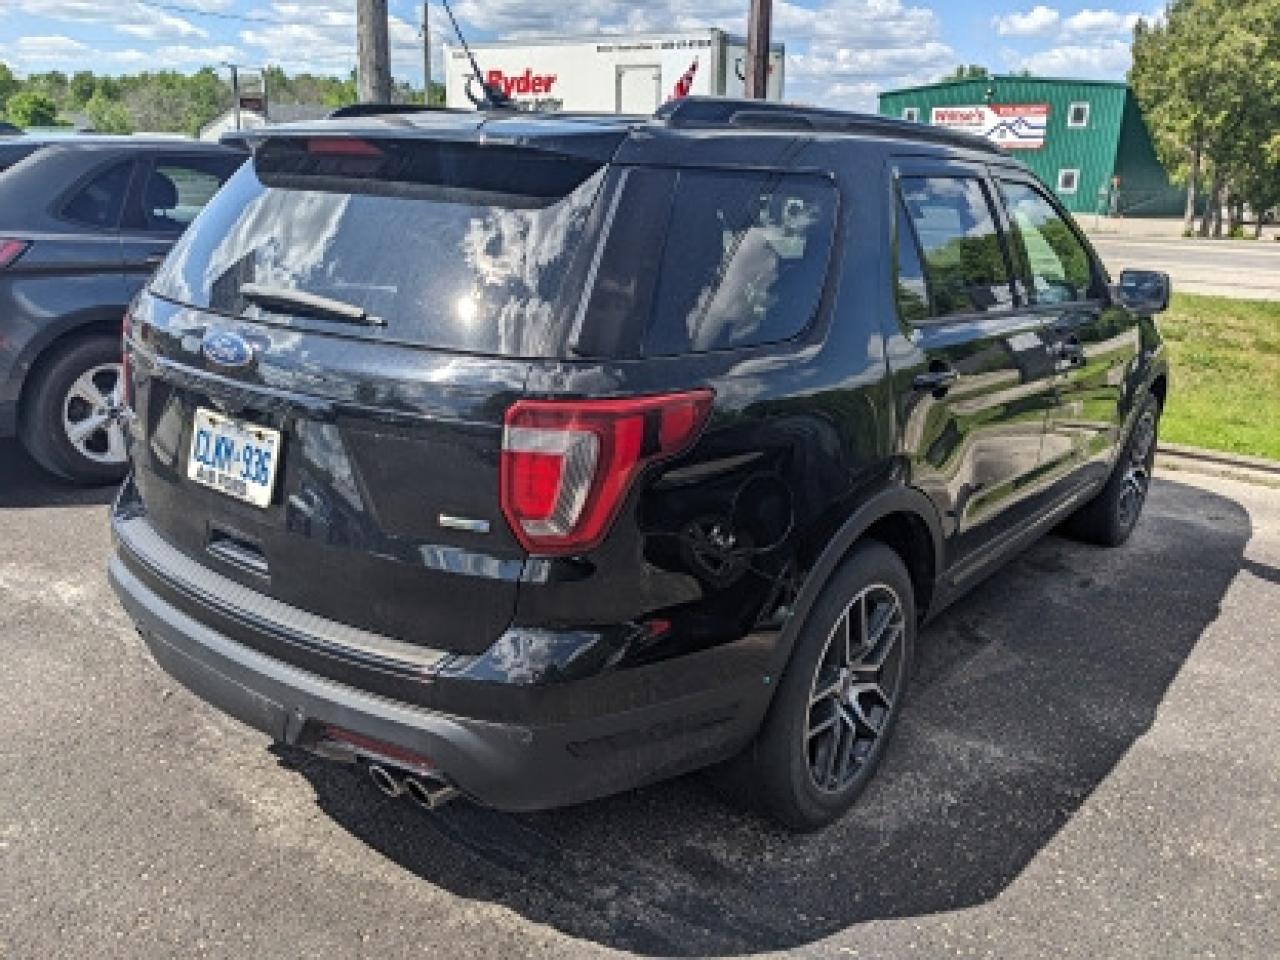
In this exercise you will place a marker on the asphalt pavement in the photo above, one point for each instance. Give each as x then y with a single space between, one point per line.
1088 766
1248 269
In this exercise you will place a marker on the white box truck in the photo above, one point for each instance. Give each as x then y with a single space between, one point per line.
608 74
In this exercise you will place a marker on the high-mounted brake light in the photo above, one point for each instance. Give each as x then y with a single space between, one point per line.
342 146
11 250
567 464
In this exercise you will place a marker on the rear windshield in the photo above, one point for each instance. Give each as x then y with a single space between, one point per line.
522 254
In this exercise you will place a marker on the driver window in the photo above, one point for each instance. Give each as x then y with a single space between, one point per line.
1050 260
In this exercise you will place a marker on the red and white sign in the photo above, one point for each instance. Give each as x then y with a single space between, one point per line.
1014 126
525 83
622 73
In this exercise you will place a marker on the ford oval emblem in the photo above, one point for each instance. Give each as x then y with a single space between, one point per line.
227 349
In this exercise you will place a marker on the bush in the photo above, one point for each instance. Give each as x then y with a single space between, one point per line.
108 116
30 109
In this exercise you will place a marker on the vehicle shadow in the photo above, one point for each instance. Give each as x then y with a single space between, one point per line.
1027 694
24 484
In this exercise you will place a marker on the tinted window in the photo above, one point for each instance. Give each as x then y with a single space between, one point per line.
98 202
910 290
176 189
468 274
743 260
1050 259
963 259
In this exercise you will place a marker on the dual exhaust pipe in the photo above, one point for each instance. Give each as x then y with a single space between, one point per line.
426 790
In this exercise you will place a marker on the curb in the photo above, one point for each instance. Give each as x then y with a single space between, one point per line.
1237 460
1214 463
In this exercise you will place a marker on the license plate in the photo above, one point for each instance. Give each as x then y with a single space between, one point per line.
234 457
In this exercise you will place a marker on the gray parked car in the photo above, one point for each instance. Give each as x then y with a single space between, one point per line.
84 220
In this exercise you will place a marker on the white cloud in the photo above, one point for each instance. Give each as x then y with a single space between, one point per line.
319 36
1100 61
131 17
53 49
1040 21
181 56
1093 22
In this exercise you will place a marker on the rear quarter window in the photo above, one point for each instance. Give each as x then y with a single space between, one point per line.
98 201
743 260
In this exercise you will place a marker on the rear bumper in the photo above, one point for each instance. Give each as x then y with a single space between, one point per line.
509 766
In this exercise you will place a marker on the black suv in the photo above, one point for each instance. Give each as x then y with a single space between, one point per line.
535 458
84 220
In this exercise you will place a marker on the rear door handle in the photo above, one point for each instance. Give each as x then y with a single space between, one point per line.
935 380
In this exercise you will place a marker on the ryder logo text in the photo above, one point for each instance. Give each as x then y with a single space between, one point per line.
527 82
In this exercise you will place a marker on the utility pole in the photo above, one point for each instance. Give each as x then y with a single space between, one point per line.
426 57
235 88
373 67
758 27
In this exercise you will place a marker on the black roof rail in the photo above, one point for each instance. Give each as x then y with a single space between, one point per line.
379 109
705 112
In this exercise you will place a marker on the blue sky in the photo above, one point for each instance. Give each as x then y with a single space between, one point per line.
840 52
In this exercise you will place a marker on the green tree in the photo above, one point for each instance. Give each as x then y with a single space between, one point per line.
82 86
1207 81
28 108
9 84
107 115
970 72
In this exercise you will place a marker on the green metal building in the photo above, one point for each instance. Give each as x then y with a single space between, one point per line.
1086 139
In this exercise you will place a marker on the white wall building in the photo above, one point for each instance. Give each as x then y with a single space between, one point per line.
617 73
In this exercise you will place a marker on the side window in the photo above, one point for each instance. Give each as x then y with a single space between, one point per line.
1053 264
744 260
177 188
963 260
909 286
98 202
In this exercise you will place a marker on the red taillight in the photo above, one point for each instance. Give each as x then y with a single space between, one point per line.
342 147
567 464
11 250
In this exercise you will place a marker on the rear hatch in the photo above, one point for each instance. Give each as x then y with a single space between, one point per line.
325 359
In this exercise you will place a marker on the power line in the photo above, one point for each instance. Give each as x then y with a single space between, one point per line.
217 14
247 18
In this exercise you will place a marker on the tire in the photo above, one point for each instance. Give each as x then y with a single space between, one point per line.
74 391
803 775
1110 517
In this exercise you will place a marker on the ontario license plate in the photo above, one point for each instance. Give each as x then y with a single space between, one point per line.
234 457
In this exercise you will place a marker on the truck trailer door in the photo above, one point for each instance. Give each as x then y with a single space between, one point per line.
639 88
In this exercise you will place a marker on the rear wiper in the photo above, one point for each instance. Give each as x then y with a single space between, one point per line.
288 300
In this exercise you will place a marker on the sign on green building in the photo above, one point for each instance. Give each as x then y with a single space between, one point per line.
1086 139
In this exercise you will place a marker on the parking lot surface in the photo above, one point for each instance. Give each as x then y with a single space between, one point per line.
1088 766
1248 269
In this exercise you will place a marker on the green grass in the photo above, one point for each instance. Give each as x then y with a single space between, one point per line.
1224 389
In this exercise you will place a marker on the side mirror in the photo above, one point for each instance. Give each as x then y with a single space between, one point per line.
1144 291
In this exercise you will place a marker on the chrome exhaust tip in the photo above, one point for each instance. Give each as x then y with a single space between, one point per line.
429 793
386 780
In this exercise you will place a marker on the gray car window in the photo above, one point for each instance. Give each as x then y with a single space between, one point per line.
97 203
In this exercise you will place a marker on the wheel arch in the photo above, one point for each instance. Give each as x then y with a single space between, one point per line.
901 517
68 329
